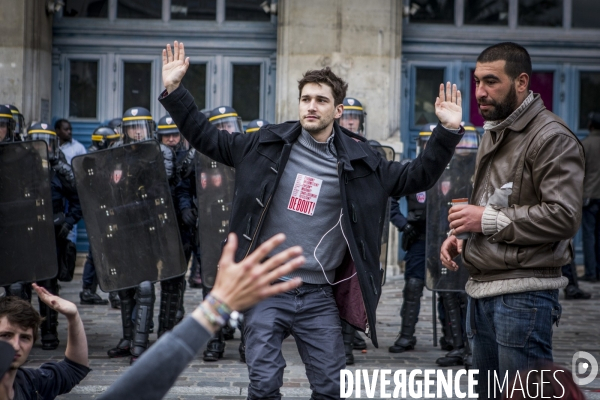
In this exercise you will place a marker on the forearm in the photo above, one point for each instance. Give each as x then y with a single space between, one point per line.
77 347
154 373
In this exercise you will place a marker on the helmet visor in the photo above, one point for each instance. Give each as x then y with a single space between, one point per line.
6 129
51 142
137 130
353 120
229 124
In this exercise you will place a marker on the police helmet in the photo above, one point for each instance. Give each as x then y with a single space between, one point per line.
353 116
43 131
166 127
114 123
256 124
424 135
19 120
226 118
470 139
137 125
7 125
104 136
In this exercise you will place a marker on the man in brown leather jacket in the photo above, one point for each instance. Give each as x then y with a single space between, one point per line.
524 210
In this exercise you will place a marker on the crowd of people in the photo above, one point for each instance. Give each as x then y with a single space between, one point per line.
321 183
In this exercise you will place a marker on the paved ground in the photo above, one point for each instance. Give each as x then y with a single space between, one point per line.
579 330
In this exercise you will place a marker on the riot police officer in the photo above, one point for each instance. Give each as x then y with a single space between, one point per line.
224 118
102 138
177 159
19 124
413 243
255 125
63 189
137 125
353 118
7 125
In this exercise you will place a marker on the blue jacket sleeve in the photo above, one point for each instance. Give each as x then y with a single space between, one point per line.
396 217
156 370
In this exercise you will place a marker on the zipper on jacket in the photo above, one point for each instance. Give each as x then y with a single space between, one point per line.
259 222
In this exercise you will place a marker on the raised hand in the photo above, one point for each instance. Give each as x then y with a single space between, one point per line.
56 303
448 106
175 65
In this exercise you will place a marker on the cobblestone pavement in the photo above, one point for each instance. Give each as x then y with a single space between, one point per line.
579 329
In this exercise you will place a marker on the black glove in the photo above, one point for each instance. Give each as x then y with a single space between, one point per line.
189 216
65 228
409 236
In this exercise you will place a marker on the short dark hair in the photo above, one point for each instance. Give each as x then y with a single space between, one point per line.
516 57
59 123
20 312
325 76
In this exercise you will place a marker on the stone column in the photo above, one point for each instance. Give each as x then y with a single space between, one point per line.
26 58
360 41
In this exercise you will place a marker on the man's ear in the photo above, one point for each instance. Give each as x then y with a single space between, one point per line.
522 83
339 109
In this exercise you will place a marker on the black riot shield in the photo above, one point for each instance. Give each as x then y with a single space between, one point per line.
389 155
215 185
456 182
129 215
27 244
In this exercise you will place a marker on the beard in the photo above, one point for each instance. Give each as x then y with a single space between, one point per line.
501 110
317 126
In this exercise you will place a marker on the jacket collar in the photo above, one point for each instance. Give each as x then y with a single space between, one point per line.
347 149
536 107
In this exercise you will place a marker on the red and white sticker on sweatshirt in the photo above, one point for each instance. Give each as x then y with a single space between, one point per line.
305 194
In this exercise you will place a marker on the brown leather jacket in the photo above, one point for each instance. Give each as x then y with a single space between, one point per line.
545 163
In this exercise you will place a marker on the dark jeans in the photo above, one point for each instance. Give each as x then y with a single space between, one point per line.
590 229
310 315
510 332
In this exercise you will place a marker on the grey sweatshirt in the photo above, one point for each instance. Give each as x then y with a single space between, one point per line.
307 206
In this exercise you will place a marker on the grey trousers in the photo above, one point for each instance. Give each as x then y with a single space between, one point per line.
310 315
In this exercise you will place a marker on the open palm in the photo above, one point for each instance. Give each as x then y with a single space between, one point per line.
448 106
175 65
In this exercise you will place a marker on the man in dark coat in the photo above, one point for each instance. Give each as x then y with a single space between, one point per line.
327 190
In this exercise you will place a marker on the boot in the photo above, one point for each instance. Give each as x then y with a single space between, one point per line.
114 300
572 292
49 334
413 290
358 343
348 338
144 298
86 296
195 280
452 306
215 347
228 332
171 302
127 303
454 357
446 340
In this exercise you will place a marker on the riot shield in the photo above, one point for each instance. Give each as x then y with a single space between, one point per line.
129 215
27 244
456 182
389 155
215 184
